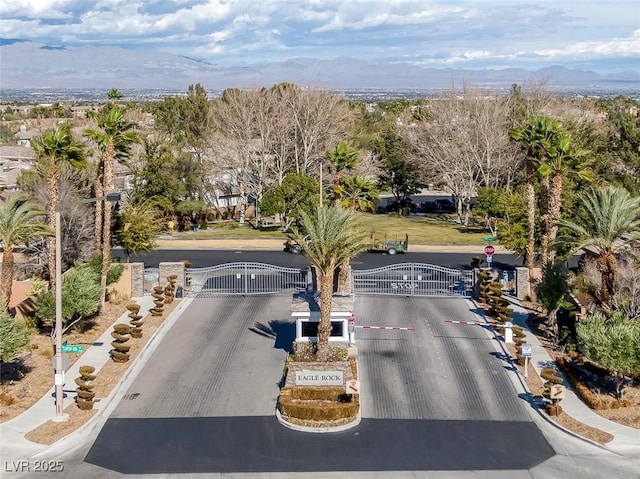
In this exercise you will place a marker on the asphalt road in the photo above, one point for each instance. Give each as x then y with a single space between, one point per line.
201 258
434 399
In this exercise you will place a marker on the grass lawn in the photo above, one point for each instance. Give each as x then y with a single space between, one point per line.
421 230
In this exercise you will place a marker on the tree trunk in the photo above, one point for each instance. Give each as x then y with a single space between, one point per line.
343 276
545 220
555 203
531 218
607 266
6 279
324 327
99 193
106 225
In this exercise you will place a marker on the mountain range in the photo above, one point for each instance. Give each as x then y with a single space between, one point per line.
29 65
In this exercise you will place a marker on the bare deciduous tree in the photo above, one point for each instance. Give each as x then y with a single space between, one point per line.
464 144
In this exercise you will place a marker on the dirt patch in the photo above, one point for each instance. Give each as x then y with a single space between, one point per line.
536 386
23 392
628 416
38 380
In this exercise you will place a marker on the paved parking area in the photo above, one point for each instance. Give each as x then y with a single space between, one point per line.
204 403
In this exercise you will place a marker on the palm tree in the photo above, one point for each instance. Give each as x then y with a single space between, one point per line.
327 239
55 148
19 223
357 194
114 139
536 139
342 158
114 94
562 161
354 193
609 220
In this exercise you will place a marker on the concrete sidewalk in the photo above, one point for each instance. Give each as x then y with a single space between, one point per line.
626 439
14 446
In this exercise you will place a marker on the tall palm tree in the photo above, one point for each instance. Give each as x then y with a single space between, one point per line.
114 138
563 160
20 222
343 158
57 147
328 238
536 138
354 193
608 219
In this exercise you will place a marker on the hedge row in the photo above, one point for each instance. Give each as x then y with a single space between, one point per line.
324 404
590 399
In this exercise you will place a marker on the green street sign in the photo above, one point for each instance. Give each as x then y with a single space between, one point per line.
72 348
489 239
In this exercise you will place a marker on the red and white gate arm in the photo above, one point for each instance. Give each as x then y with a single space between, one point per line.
386 327
474 323
508 327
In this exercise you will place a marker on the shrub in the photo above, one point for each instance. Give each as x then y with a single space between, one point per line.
120 334
81 291
136 320
318 404
158 300
84 391
170 289
7 399
13 337
95 265
306 352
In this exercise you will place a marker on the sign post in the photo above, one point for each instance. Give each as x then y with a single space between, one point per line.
489 250
526 354
351 324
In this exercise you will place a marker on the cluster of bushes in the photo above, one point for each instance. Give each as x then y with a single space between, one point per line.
305 352
587 395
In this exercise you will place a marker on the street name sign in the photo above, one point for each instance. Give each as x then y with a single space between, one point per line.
72 348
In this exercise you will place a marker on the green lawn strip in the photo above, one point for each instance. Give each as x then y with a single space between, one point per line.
421 230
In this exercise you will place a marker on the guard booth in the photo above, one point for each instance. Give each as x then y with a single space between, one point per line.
306 312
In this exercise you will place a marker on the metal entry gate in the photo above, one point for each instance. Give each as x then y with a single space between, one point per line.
414 279
244 279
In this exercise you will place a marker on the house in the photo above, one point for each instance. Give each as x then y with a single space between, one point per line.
14 159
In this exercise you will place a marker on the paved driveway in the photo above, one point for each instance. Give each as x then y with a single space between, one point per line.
221 358
205 401
439 371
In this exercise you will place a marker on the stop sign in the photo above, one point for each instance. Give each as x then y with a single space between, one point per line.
489 250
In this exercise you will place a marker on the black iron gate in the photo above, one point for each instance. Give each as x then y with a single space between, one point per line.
413 279
244 279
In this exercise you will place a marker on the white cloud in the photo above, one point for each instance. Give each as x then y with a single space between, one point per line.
434 32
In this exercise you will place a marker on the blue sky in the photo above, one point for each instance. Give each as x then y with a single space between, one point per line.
603 35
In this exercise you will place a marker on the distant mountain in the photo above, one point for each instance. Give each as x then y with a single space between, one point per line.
30 65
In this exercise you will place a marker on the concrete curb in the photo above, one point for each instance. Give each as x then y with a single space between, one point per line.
76 438
519 383
296 427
